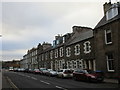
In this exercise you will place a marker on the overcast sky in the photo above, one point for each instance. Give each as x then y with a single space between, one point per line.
26 24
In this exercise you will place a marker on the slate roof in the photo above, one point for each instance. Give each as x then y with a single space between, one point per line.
81 37
104 21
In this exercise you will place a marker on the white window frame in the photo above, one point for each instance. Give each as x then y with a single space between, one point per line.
108 31
77 49
56 53
68 51
51 54
61 52
108 67
85 47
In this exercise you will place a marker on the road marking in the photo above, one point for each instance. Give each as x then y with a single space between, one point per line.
44 82
34 78
12 84
27 76
60 87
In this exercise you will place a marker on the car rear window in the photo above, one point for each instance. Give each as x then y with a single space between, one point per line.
60 71
68 71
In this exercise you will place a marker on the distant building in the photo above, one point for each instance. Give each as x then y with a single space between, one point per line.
14 64
107 40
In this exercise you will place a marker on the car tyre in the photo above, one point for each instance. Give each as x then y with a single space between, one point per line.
89 79
75 78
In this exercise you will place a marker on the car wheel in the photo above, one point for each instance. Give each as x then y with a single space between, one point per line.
62 76
75 78
89 79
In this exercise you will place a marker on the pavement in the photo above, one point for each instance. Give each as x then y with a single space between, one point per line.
5 83
106 80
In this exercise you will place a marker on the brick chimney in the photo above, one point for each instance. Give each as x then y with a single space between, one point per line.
80 29
106 7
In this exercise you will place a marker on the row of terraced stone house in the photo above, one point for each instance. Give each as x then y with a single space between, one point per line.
84 48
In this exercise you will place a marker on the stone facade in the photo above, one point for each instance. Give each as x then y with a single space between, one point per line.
84 48
107 41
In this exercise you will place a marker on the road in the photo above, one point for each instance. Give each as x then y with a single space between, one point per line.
27 80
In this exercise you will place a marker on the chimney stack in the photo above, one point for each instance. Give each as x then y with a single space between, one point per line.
107 6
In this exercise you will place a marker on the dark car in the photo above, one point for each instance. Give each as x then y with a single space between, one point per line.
28 70
87 75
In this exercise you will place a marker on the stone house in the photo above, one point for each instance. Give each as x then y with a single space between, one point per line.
107 41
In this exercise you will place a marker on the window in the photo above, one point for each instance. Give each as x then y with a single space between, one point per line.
110 62
108 37
79 64
51 54
61 51
46 56
68 64
112 13
77 49
42 57
56 53
68 51
87 47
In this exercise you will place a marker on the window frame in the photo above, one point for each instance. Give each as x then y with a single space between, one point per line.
77 49
68 52
106 32
85 47
61 51
108 60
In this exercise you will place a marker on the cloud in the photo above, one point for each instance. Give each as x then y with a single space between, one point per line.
25 24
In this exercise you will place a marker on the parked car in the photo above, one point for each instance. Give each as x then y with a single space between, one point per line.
11 69
26 70
31 70
51 73
20 69
15 69
65 73
43 71
87 75
37 71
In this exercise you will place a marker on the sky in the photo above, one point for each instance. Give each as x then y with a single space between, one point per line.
26 23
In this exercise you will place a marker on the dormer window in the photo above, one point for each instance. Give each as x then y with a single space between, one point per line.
112 12
108 36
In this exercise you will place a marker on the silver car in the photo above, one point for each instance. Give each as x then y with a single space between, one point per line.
65 73
51 72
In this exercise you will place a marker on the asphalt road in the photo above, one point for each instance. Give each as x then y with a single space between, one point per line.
28 80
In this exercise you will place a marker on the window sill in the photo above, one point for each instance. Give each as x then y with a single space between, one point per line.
111 70
109 43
